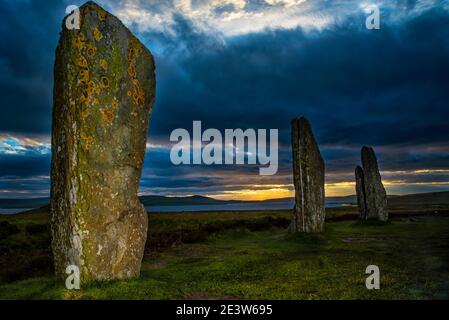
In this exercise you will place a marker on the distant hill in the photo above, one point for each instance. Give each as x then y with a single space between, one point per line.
146 200
427 199
23 203
430 199
181 201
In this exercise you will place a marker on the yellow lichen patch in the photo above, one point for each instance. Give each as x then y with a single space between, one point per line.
87 141
104 82
85 113
82 62
92 88
114 104
91 50
97 34
82 37
129 94
84 76
101 15
104 64
107 115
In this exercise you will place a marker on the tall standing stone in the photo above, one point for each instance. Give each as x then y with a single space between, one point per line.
371 194
103 97
308 177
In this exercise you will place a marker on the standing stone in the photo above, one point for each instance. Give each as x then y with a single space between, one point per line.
308 177
371 194
360 191
103 97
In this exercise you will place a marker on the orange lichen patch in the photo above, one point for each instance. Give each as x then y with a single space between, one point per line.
82 62
97 34
135 48
138 99
87 141
104 64
132 71
138 95
132 54
107 115
84 76
91 50
135 97
104 82
80 41
84 97
136 83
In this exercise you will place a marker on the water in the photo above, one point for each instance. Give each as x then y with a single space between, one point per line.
267 205
13 211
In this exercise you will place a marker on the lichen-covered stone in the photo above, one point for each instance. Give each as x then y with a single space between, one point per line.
308 176
100 121
371 194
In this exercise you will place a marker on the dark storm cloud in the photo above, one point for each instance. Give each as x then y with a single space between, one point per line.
29 32
24 166
357 86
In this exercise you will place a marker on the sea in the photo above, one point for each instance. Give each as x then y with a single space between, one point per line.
247 206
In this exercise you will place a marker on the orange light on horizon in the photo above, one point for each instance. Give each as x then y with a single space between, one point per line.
281 191
338 189
254 195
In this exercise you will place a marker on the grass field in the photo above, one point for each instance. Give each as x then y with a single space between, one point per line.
246 255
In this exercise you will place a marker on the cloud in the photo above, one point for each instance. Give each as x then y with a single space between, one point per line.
227 17
22 145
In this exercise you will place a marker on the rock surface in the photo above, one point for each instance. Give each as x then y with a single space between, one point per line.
308 177
360 191
370 190
103 97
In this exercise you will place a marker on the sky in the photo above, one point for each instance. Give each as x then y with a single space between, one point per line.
251 64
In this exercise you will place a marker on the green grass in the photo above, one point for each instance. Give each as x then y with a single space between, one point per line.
232 262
